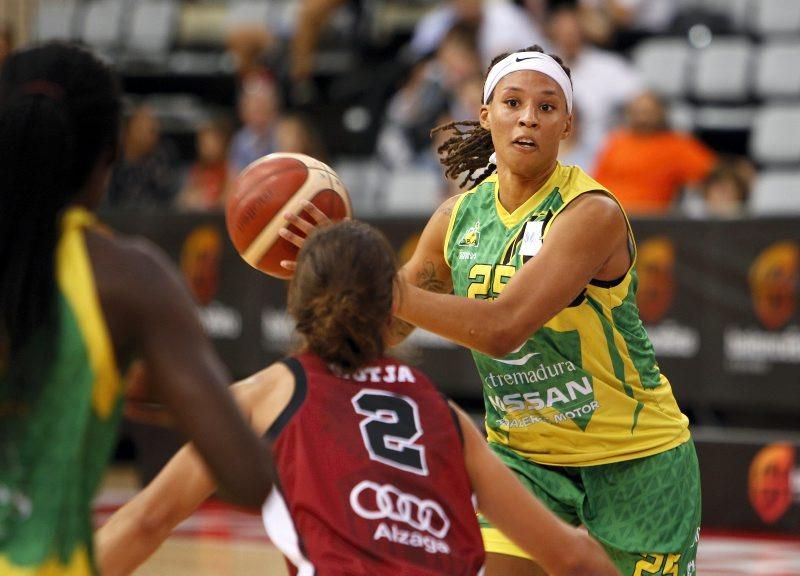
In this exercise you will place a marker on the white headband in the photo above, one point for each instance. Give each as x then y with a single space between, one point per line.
535 61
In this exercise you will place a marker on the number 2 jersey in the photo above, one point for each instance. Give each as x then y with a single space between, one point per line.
370 476
585 388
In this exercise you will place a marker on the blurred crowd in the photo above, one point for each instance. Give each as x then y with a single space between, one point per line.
622 134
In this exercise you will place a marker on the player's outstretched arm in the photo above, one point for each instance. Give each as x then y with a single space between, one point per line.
427 269
187 375
588 240
137 529
559 548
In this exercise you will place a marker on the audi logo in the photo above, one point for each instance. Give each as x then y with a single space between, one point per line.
373 501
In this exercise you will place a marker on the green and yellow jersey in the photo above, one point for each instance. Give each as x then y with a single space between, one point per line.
585 389
55 445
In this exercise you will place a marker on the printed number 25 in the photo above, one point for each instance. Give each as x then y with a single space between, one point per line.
485 276
390 429
652 564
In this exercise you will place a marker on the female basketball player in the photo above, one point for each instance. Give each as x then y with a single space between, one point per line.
76 305
368 453
540 259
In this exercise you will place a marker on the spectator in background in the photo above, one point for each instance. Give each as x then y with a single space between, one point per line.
501 26
145 174
604 82
259 108
312 17
620 24
433 87
248 44
6 40
647 164
726 189
207 181
466 105
575 150
294 133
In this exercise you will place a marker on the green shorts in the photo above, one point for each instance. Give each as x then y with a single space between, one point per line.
645 512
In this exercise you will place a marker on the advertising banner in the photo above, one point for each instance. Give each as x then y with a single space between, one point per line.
751 481
719 301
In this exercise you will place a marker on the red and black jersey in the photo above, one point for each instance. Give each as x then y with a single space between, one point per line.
370 476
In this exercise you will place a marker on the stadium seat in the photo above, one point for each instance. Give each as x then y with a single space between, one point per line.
247 12
736 11
776 192
412 192
102 24
202 25
778 70
363 179
770 17
55 20
664 64
153 26
776 135
722 72
681 116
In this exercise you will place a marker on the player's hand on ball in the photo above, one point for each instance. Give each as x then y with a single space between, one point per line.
319 218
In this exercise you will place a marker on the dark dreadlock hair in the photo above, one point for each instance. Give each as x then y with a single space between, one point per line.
470 145
59 112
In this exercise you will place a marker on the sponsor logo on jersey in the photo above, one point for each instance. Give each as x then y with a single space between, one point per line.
423 522
774 482
472 238
568 401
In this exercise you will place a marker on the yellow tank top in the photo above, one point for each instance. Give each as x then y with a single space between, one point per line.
584 389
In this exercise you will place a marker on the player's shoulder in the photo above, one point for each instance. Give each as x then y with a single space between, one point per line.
132 251
132 266
265 395
445 209
596 208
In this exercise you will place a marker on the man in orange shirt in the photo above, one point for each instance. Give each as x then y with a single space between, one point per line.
647 164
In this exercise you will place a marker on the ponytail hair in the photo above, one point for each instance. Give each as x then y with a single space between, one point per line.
341 293
59 113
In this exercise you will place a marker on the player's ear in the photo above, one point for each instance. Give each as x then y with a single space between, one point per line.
567 127
484 117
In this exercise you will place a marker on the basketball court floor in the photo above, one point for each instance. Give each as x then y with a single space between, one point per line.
221 540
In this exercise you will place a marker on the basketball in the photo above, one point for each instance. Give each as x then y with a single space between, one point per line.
265 190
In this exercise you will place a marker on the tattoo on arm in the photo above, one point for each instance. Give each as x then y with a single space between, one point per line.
427 280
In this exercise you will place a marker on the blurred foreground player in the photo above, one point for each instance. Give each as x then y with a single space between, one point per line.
368 452
77 304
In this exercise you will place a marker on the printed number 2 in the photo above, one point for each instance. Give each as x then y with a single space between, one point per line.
484 276
390 429
652 564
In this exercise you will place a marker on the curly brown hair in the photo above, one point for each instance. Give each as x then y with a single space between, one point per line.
341 293
470 145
